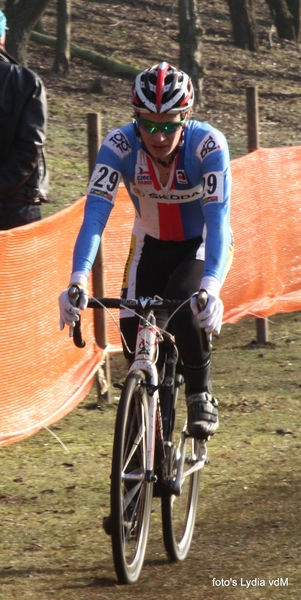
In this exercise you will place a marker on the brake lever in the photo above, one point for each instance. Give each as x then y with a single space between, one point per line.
76 331
202 299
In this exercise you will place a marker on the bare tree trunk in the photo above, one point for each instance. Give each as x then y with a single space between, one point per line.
294 7
112 66
63 40
21 18
283 19
243 24
190 52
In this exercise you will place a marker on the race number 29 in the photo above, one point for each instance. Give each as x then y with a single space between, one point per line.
105 178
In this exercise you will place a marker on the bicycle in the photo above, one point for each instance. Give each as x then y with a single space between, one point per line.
153 456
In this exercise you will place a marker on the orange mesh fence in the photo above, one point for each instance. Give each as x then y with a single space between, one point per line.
43 375
265 277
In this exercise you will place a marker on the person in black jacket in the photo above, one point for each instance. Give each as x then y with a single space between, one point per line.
23 119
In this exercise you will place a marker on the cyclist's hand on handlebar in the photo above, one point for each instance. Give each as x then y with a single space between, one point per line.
210 318
69 313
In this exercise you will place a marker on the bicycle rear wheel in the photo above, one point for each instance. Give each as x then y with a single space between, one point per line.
131 499
179 511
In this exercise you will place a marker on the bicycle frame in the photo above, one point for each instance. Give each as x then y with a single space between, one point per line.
148 338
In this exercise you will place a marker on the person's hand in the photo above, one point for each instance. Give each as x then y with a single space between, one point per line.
211 317
69 314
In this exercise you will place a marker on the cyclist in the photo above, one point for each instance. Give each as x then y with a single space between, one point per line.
177 173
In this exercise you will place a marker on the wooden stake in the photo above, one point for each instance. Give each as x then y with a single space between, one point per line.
253 144
103 377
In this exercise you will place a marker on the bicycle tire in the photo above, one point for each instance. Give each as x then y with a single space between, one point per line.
179 512
130 501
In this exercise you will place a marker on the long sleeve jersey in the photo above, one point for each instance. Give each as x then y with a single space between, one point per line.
195 202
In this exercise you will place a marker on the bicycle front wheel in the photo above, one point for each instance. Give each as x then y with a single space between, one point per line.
179 511
131 495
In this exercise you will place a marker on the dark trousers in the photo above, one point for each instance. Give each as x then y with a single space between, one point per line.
171 270
17 214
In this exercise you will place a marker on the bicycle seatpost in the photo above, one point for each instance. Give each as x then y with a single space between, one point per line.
202 300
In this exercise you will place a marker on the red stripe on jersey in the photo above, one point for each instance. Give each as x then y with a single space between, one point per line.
151 170
170 222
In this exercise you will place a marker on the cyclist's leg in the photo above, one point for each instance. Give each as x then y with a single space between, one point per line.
202 407
185 281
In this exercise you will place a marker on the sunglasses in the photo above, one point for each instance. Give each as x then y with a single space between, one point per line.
166 128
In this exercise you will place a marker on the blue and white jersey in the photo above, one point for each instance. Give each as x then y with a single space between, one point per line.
194 202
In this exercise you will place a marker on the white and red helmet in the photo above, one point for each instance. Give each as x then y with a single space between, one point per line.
162 89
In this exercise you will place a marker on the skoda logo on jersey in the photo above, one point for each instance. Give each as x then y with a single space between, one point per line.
181 177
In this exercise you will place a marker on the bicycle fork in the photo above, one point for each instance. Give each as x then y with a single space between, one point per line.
146 350
148 367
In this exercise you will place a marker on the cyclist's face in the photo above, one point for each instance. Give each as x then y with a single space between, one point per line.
159 143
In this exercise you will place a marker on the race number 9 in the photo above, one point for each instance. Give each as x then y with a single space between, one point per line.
209 184
213 185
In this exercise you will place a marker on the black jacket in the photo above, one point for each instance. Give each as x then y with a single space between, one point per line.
23 117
